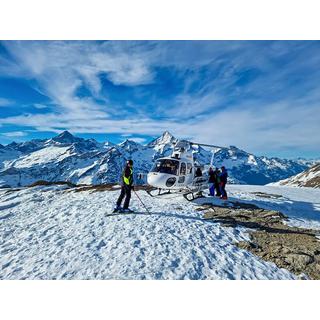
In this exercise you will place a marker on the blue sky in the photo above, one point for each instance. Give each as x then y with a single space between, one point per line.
261 96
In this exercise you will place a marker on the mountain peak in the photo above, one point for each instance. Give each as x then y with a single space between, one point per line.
65 137
65 134
167 135
165 138
128 142
130 145
13 144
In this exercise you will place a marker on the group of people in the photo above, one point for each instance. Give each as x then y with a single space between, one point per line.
217 182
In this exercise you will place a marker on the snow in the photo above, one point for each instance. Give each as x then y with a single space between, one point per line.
6 156
301 205
302 179
42 156
53 233
252 160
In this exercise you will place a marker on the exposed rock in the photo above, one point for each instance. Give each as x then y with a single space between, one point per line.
108 187
300 260
49 183
295 249
267 195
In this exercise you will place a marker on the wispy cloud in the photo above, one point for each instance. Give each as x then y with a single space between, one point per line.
5 102
14 134
40 106
138 139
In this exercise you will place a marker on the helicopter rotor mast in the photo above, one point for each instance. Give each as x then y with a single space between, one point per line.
181 144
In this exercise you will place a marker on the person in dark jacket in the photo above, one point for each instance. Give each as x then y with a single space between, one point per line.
223 181
198 173
211 181
214 180
126 187
217 182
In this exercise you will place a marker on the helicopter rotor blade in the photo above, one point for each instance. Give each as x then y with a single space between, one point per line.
205 145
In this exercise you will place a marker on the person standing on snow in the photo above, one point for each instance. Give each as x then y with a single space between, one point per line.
217 182
126 187
223 181
211 181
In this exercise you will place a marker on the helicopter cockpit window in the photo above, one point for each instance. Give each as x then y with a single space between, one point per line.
166 166
189 168
183 169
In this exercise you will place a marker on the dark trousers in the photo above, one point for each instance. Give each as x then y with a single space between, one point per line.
125 191
223 189
216 186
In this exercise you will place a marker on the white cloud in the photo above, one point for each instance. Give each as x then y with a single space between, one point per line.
138 139
12 134
40 106
61 68
5 102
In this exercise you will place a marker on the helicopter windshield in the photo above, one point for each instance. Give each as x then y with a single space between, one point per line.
166 166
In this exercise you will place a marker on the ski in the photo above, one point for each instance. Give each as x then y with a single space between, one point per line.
120 213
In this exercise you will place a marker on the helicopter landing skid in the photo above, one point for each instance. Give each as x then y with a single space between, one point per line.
190 196
155 193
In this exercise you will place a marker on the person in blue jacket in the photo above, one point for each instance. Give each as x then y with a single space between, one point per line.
223 181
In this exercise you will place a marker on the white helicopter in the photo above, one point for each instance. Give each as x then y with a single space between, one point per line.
179 173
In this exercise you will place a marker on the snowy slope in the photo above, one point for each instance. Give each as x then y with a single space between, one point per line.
307 178
43 156
301 205
52 233
85 161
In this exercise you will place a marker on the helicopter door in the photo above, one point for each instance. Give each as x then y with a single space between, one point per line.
182 173
189 177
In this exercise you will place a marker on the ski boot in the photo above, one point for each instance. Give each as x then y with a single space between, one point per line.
126 210
117 209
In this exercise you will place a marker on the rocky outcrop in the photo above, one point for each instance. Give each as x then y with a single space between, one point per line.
295 249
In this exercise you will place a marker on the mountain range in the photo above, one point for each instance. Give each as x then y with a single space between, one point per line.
86 161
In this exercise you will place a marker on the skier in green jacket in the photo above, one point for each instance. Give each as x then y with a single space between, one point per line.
126 187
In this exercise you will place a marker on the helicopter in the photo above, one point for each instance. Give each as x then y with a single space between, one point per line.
179 173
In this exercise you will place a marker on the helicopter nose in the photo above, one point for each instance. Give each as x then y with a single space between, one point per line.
154 179
157 180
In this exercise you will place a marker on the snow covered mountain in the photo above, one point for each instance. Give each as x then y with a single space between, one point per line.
307 178
86 161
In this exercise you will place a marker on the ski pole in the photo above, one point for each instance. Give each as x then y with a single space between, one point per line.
141 202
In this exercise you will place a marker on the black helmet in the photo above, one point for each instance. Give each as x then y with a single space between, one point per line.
130 162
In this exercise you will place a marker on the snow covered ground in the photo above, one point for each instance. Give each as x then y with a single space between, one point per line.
301 205
52 233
